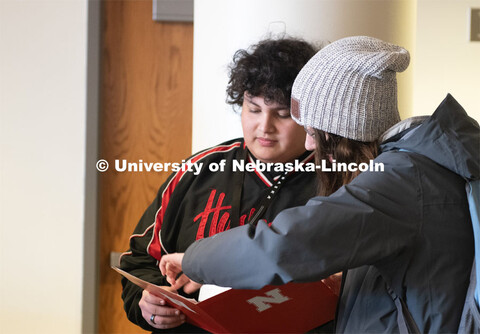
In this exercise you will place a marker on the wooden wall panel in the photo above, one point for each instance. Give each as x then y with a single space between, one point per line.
146 114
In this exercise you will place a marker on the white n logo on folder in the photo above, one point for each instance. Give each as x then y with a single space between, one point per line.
263 303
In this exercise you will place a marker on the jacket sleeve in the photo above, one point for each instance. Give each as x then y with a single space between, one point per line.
376 216
139 261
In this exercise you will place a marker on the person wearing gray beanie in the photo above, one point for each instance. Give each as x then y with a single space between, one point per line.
347 93
349 88
401 234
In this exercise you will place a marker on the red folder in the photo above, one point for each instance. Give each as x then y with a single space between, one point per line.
289 308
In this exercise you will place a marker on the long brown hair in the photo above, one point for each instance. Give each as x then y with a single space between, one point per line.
341 150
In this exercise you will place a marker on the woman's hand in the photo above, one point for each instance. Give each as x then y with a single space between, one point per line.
171 267
157 313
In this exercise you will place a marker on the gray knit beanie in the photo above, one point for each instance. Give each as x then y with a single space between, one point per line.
349 88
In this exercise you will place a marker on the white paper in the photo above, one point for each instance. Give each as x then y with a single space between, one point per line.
209 291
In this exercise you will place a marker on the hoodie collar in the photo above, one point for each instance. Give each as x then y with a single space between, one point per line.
406 124
449 137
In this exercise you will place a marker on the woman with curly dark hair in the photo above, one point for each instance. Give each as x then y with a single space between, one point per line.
191 206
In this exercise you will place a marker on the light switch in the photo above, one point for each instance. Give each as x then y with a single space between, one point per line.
475 24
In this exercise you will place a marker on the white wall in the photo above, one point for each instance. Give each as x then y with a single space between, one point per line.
42 143
446 62
223 26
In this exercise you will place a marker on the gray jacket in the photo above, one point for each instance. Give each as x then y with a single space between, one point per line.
404 232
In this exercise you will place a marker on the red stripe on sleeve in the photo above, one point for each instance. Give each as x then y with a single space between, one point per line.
155 246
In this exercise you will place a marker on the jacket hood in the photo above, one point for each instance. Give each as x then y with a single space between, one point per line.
449 137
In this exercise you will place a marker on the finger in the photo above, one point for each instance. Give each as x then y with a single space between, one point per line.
172 272
171 278
191 286
152 299
167 311
163 315
161 322
172 261
162 265
165 263
173 268
169 288
175 259
180 281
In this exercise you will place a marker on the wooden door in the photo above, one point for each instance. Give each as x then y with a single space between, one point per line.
146 114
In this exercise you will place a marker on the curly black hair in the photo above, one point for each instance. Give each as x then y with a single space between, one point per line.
267 69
